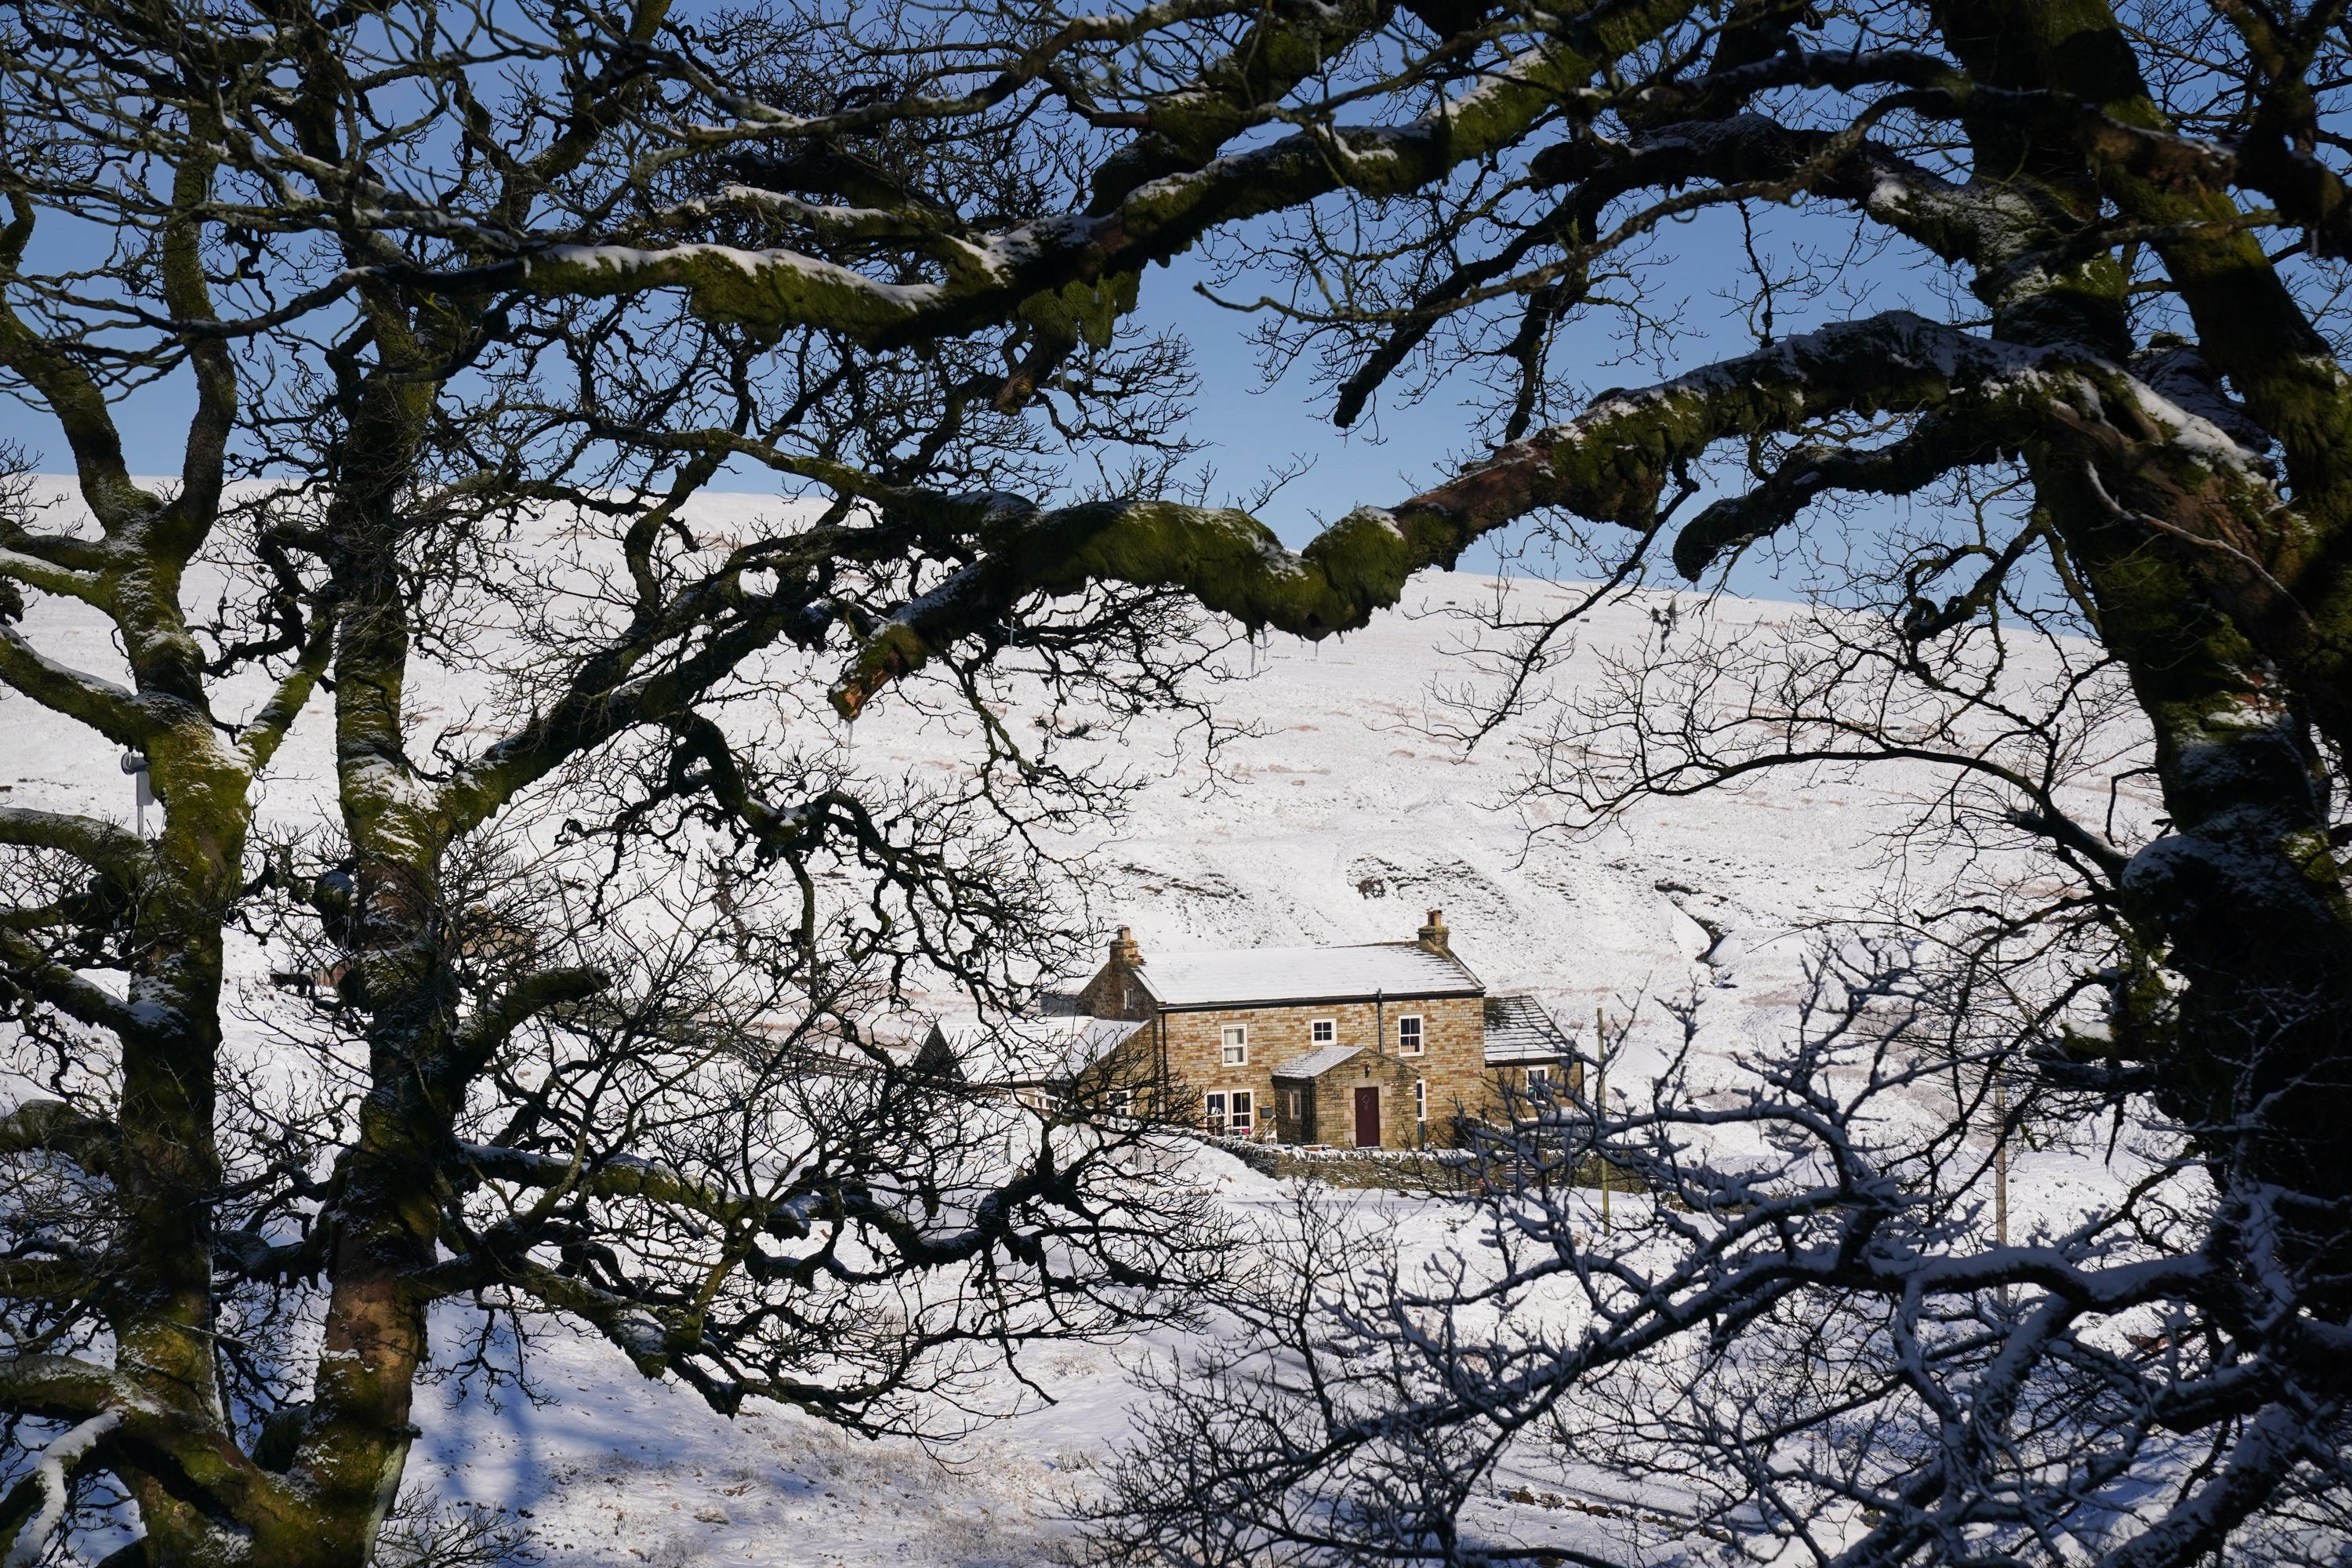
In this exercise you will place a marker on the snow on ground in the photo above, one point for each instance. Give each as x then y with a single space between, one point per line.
614 1469
620 1469
1336 820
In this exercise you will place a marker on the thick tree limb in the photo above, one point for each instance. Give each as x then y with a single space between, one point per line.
50 1484
523 1000
56 1128
1953 437
198 1455
104 846
266 730
1096 259
651 1180
2276 1442
110 709
68 389
51 578
1609 463
62 1388
22 964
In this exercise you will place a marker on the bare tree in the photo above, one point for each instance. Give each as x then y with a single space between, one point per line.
436 274
1821 1342
584 977
1831 1347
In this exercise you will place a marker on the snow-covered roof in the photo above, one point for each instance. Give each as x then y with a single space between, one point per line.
1029 1050
1276 975
1317 1062
1519 1030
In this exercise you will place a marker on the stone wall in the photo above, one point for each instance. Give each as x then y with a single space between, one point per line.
1451 1061
1112 993
1454 1062
1566 1078
1416 1171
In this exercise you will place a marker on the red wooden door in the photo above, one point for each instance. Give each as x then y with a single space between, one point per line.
1368 1117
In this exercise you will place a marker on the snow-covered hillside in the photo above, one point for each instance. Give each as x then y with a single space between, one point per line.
1335 820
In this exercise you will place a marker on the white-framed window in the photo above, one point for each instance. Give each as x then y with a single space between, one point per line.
1421 1099
1294 1104
1212 1111
1241 1108
1409 1035
1323 1032
1120 1102
1538 1077
1236 1045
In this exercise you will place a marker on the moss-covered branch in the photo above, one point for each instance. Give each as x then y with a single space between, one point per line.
627 1177
68 389
25 968
62 1388
112 711
52 578
529 996
1082 260
1967 432
1612 464
104 846
58 1127
266 731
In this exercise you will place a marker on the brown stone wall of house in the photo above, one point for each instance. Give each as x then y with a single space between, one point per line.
1566 1078
1452 1058
1112 994
1130 1072
1453 1062
1196 1053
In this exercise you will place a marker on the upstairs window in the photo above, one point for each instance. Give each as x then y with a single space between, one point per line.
1236 1045
1323 1032
1409 1036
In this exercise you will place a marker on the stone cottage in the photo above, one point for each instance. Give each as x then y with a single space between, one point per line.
1380 1046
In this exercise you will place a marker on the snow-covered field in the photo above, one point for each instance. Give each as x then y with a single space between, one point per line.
1337 819
617 1470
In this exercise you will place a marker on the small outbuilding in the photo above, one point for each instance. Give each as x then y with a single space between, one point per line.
1527 1048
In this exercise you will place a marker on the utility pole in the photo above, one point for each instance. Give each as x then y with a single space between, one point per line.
1601 1105
2000 1171
2001 1160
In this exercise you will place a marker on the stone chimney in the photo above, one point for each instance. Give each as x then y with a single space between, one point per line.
1125 952
1435 937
